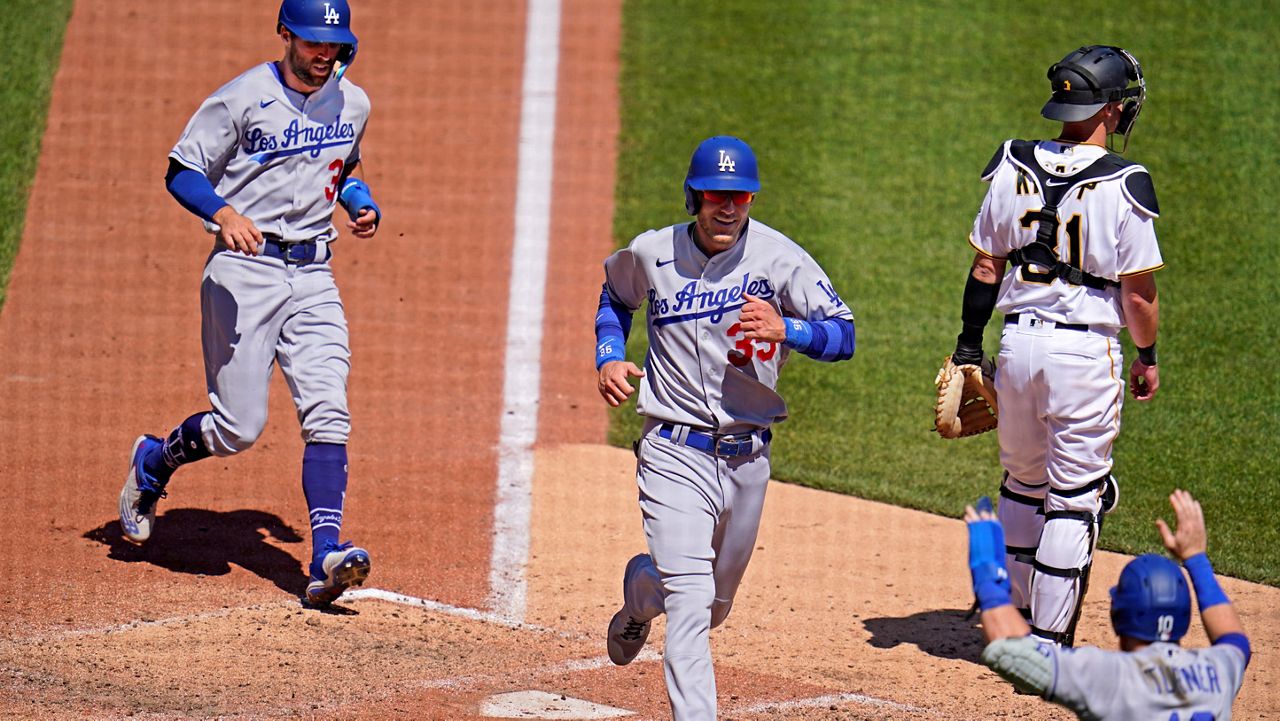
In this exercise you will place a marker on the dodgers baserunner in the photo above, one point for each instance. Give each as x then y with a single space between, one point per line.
1066 249
263 162
1151 677
727 298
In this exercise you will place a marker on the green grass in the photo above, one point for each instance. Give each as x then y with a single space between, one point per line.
872 121
32 32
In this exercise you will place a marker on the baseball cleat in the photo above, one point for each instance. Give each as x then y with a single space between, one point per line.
342 567
626 634
140 493
626 637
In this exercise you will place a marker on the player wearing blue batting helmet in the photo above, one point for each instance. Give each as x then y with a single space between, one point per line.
321 21
1151 601
722 162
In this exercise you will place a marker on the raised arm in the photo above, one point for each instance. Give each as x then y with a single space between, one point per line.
990 578
1189 543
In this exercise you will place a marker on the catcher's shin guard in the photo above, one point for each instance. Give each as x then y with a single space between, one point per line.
1022 516
1064 560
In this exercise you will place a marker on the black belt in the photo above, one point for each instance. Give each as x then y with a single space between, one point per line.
720 445
298 252
1012 319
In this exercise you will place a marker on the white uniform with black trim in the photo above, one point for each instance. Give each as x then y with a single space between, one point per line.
1159 682
702 512
1060 391
276 156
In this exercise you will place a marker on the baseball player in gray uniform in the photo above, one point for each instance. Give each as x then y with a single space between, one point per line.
727 299
263 162
1151 677
1066 249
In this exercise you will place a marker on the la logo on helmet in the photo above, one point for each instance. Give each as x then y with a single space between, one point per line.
726 163
331 16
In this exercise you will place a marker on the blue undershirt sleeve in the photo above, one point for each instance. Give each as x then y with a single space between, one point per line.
1240 641
825 340
193 190
613 326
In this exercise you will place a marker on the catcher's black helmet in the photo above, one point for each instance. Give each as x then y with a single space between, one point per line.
1089 78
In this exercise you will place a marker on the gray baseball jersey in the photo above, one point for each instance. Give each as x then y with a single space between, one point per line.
1160 682
275 154
702 510
692 304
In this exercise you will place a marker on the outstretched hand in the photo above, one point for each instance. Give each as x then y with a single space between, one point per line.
1189 538
613 384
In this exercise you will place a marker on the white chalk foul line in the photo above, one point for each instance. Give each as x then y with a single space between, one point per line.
522 369
472 614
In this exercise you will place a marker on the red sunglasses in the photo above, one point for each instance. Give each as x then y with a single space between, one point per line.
740 197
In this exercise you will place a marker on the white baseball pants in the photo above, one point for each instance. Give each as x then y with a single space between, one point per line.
1060 394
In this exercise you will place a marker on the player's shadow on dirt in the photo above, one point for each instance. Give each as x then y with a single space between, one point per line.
203 542
943 633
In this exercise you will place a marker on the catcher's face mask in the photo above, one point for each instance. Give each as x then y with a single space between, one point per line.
1131 105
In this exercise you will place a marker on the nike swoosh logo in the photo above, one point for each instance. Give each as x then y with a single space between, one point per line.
1050 182
265 103
666 262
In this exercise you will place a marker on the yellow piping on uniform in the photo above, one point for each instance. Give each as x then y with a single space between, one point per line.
1152 269
983 252
1117 403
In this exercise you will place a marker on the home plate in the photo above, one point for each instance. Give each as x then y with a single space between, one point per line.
540 704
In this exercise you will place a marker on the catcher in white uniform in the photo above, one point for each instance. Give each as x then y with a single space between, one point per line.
1151 677
1066 250
728 298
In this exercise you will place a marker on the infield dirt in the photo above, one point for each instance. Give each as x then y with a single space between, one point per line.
850 609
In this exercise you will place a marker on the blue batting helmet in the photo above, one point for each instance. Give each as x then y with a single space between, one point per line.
322 21
720 163
1151 601
318 21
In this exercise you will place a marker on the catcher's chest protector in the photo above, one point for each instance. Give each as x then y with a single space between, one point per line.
1052 189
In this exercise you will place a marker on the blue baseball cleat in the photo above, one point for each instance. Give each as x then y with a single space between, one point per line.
338 568
140 493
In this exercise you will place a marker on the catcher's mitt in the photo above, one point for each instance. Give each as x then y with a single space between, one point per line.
966 404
